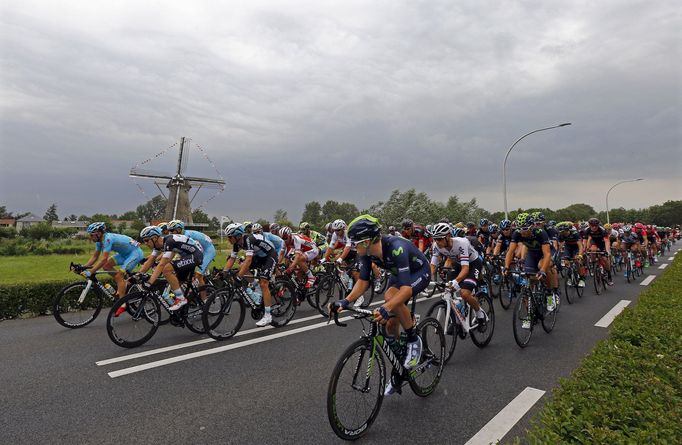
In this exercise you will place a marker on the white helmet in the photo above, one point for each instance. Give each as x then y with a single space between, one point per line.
440 230
339 224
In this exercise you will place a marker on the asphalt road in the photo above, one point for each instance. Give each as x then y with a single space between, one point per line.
272 391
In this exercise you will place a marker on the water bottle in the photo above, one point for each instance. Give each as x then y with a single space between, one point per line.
109 289
167 296
256 294
250 293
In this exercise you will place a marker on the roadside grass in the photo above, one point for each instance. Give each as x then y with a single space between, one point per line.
629 389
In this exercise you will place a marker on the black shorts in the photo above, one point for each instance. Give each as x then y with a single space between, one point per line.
419 280
264 265
471 280
184 266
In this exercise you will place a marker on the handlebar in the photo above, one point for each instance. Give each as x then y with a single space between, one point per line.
364 313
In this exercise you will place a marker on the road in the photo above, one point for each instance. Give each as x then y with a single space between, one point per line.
269 385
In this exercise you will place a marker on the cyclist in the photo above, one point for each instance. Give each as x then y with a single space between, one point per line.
409 273
466 261
392 231
494 233
483 233
538 257
415 233
260 255
503 239
273 239
319 239
598 240
175 271
629 241
304 250
127 254
573 247
178 227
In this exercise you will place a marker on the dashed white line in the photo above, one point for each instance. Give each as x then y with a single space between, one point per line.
663 266
647 280
671 258
607 319
505 420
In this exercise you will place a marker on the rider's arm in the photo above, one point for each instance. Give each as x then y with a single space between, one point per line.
246 265
150 262
435 261
158 270
546 258
92 259
510 255
346 251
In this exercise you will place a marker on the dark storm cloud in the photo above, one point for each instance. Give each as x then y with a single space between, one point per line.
344 101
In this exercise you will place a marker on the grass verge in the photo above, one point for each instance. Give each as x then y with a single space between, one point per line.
629 389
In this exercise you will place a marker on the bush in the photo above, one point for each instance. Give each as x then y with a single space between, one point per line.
629 389
8 232
33 298
21 246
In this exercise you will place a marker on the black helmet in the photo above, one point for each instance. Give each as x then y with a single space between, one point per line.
363 227
407 223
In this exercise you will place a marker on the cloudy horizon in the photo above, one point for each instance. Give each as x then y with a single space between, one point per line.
347 100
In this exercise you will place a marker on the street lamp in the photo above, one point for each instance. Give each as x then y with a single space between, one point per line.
222 220
608 220
504 165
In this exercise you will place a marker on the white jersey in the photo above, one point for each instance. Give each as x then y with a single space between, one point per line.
461 252
340 242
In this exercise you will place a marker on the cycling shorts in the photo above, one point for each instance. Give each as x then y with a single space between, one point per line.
184 266
209 255
311 254
471 280
419 280
265 266
130 261
533 258
571 250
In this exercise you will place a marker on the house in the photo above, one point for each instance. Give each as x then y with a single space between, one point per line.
8 222
28 221
115 223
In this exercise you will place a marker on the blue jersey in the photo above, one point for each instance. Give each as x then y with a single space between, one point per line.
275 241
114 242
203 239
399 257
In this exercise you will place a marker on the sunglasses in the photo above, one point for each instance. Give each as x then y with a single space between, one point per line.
364 243
526 228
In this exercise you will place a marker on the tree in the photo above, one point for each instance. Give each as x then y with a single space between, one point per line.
282 218
103 218
575 212
73 217
4 213
83 218
313 214
332 210
152 209
51 213
129 216
138 225
199 216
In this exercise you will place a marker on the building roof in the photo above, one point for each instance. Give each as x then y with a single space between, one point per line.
77 224
8 221
30 218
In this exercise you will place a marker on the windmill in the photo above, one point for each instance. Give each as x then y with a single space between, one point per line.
178 200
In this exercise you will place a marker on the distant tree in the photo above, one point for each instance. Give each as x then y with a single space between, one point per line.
199 216
129 216
73 217
51 214
4 213
83 218
103 218
138 225
152 209
575 212
332 210
313 214
122 227
282 218
262 221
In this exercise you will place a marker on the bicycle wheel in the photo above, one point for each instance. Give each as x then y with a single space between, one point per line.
483 333
628 270
330 289
192 313
356 390
549 318
370 290
506 292
579 290
77 305
522 314
223 314
438 310
569 285
425 377
134 327
283 305
596 281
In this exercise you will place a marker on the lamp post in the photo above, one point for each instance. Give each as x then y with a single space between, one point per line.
504 165
608 220
222 220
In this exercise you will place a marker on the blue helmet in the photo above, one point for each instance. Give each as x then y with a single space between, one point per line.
458 232
97 226
150 231
234 229
176 224
483 222
493 227
505 224
364 227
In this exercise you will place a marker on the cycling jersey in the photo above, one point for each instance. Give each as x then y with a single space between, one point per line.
340 242
552 233
629 238
115 242
405 262
505 241
598 237
462 252
207 246
476 244
572 238
181 245
253 244
484 237
275 241
534 242
302 243
318 239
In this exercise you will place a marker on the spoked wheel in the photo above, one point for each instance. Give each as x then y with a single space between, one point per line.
506 292
439 311
549 318
356 390
137 323
283 304
628 270
569 285
425 377
223 314
193 310
369 294
523 320
77 305
328 291
483 333
596 281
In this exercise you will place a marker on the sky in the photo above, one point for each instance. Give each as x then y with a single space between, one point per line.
296 101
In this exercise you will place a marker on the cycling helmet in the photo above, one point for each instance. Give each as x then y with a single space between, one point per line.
364 227
274 228
234 229
163 226
285 232
470 225
524 220
150 231
538 217
459 225
418 230
407 223
458 232
593 222
607 226
627 228
483 222
621 232
639 226
97 226
256 228
494 228
391 229
441 230
564 225
304 225
505 224
648 227
339 224
428 230
176 224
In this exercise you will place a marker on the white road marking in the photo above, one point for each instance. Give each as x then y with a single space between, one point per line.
671 258
663 266
647 280
228 347
607 319
505 420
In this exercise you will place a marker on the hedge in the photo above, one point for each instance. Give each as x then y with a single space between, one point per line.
629 389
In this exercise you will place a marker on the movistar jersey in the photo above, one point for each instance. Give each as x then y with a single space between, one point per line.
399 257
534 242
115 242
572 238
